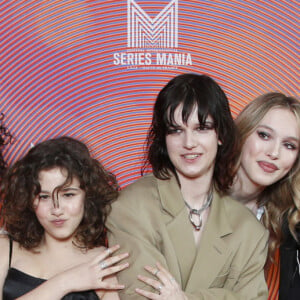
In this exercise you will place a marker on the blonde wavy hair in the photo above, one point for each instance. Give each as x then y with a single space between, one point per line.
282 197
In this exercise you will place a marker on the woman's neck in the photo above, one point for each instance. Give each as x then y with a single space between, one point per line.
52 245
195 191
245 190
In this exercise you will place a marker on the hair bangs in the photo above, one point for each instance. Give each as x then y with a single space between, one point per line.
189 101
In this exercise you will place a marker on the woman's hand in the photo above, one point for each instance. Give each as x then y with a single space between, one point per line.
91 275
166 286
95 274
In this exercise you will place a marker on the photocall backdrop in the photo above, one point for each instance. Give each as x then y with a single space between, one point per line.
92 69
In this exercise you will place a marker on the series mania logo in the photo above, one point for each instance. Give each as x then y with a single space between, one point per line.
152 43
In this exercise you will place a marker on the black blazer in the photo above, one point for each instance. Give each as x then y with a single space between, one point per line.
289 287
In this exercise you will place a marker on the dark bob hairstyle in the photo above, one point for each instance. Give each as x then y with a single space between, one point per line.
20 187
192 90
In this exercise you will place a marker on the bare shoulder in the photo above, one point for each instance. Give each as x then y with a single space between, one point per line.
4 257
4 246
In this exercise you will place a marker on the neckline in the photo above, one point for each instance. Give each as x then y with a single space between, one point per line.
26 274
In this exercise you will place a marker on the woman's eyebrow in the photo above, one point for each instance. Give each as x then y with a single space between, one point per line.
69 188
271 129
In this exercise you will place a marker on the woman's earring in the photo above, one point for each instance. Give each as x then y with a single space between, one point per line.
219 143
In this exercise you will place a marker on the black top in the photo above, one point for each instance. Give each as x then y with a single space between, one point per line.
289 288
18 283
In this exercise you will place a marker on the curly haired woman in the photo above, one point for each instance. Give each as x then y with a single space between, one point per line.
55 203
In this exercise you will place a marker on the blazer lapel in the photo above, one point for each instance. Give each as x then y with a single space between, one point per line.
213 252
178 226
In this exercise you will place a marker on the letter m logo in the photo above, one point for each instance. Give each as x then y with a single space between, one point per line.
146 32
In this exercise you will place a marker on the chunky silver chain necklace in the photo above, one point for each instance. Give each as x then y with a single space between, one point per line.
198 212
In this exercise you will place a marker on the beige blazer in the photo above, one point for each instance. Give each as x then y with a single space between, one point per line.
150 220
